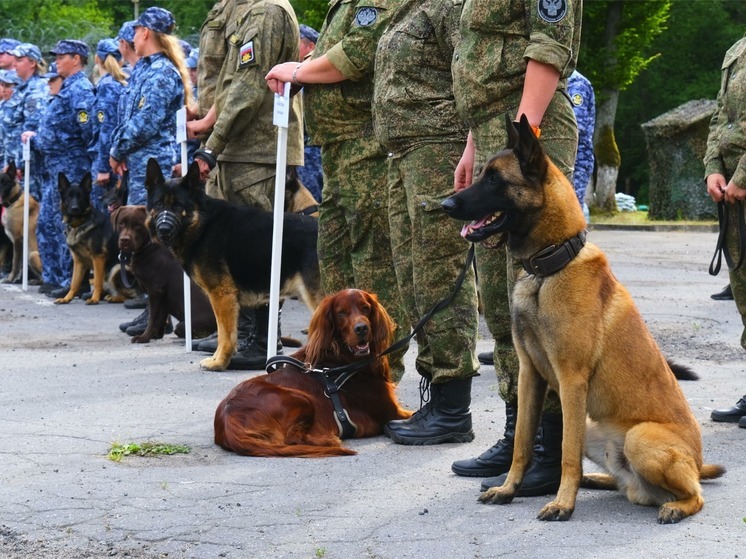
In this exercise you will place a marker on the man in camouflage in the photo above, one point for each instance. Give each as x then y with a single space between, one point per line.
515 57
584 104
239 42
725 177
415 119
354 241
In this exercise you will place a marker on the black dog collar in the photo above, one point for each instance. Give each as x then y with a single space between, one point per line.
13 199
552 259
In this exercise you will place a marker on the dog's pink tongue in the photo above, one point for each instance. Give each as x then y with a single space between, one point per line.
476 224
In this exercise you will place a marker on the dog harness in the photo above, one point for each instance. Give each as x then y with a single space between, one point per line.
552 259
332 380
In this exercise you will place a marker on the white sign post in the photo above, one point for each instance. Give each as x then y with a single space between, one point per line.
181 138
281 118
26 200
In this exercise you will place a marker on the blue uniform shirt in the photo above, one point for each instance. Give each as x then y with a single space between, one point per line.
108 92
584 104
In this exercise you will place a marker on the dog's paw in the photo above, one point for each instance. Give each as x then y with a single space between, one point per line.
92 301
62 300
670 514
497 496
143 339
555 511
212 364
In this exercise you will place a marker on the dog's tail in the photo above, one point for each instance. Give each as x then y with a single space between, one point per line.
681 372
711 471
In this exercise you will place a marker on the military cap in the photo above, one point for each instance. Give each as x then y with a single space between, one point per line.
11 77
27 49
127 31
71 46
51 72
157 19
308 33
108 47
186 47
7 44
191 62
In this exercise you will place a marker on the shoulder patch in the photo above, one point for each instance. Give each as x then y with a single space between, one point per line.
577 99
247 54
552 11
366 17
82 117
100 116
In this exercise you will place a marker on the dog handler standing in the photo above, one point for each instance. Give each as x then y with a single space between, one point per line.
354 241
725 177
515 57
415 119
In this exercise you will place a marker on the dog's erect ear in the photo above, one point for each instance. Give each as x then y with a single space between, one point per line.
153 174
512 130
529 152
62 182
87 183
11 172
192 179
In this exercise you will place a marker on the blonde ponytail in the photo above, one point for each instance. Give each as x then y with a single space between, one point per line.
173 51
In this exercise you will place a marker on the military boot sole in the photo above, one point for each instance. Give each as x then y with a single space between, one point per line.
475 468
420 439
527 489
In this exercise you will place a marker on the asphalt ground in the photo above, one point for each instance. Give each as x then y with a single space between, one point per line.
71 385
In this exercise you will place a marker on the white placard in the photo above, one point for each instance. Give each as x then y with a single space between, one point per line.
27 150
281 115
181 119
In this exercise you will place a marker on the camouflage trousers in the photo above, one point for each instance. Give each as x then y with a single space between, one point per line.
354 242
737 277
57 263
244 184
496 271
429 255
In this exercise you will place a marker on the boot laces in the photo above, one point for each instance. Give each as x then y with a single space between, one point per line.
425 406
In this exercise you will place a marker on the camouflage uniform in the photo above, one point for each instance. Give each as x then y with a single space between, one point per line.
23 112
240 41
66 140
584 105
726 155
108 92
415 118
489 65
354 240
147 125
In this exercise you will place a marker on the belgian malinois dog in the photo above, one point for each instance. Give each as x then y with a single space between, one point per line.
226 249
12 199
576 329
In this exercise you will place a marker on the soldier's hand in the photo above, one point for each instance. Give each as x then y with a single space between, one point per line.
715 186
734 193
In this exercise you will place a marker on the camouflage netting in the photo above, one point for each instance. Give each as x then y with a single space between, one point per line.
676 143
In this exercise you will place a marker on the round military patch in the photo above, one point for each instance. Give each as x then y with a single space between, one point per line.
366 17
82 117
100 116
552 11
577 99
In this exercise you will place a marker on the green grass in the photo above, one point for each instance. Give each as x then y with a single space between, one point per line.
641 218
119 450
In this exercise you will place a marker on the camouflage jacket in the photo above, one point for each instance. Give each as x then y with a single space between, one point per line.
413 93
342 111
22 112
726 142
108 92
498 37
254 36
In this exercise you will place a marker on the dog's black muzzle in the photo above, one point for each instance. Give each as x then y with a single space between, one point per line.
167 225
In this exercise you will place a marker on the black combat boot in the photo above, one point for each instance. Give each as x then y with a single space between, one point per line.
444 419
245 332
251 354
544 474
495 460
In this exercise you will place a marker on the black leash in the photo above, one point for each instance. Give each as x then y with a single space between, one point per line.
334 378
721 249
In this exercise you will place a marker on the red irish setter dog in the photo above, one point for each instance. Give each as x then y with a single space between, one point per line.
287 413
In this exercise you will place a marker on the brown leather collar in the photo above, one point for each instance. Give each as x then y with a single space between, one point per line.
552 259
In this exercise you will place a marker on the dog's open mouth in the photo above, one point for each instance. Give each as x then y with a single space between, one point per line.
363 349
480 229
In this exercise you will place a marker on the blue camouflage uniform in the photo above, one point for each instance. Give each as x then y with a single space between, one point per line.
147 125
108 92
8 77
66 140
581 94
192 145
23 112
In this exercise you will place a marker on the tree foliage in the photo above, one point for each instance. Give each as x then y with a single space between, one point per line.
311 12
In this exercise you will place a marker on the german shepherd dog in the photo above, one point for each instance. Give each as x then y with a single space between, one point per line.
576 328
90 238
161 276
226 249
12 199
